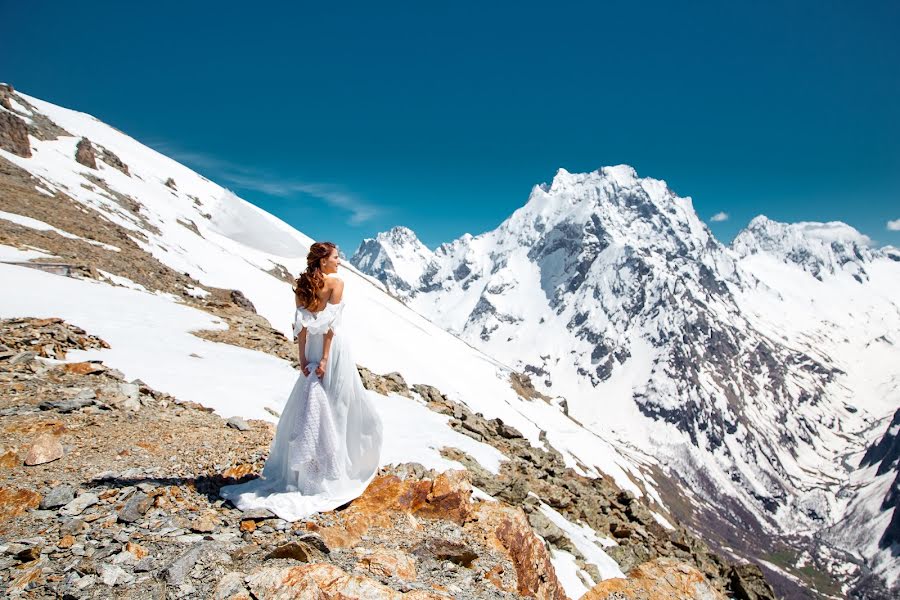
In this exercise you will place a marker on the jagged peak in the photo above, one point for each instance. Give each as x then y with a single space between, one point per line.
399 234
817 247
762 227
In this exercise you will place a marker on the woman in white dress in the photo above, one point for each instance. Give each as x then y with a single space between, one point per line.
328 440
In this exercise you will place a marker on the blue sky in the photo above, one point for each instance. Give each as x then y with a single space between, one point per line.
346 119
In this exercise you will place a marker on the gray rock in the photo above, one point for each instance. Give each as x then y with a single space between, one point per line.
238 423
23 358
86 582
113 575
79 504
58 496
177 571
315 540
232 584
65 406
257 514
71 526
135 507
145 565
130 390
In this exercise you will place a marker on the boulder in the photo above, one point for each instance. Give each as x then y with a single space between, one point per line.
45 448
660 579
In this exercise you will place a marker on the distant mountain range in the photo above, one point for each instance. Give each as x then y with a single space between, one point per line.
756 375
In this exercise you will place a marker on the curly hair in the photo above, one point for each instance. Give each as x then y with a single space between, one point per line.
311 281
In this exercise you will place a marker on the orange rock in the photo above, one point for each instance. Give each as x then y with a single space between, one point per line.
24 578
14 502
663 578
387 562
495 576
506 528
111 492
84 368
237 471
66 542
136 550
248 525
320 581
445 498
152 448
10 459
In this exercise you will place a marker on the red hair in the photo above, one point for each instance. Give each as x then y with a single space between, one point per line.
311 281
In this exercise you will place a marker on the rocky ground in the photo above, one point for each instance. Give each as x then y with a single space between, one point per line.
100 496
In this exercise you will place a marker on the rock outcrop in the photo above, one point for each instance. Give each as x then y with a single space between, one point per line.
660 579
85 155
14 134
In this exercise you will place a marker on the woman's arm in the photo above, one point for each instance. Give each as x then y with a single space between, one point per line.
301 343
326 349
337 292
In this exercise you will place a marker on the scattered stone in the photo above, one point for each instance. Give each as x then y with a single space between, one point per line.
23 358
170 183
28 554
144 565
85 368
231 587
66 406
313 539
135 507
113 575
205 523
58 496
179 569
238 423
46 448
79 504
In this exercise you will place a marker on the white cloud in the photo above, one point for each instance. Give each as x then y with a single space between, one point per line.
893 225
253 178
719 216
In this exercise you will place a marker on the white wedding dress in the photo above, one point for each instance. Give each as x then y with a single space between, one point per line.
328 440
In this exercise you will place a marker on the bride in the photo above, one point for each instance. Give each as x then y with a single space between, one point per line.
328 439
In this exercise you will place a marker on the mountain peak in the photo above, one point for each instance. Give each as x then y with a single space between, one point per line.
396 255
818 248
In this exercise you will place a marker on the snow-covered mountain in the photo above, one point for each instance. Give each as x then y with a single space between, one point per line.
753 373
151 243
